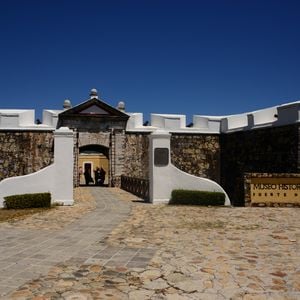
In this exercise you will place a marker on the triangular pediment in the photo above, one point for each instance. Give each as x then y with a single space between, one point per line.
94 110
93 115
94 107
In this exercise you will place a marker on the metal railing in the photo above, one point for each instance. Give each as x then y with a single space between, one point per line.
136 186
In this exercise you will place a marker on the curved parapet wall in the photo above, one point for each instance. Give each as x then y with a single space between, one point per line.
170 178
56 178
165 177
39 182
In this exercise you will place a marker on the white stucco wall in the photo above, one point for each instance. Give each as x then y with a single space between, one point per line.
209 124
234 122
288 113
56 178
262 117
50 117
168 121
16 118
164 179
284 114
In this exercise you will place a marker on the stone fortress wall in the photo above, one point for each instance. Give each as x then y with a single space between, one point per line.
264 150
24 152
136 155
197 154
218 148
225 148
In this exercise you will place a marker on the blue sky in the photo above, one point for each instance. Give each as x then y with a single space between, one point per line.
212 57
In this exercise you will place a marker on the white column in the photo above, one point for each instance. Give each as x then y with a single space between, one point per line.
63 163
159 177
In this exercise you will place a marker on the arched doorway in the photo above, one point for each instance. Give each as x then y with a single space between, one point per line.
94 159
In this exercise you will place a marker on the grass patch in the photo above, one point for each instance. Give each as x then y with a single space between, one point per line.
203 225
10 215
218 224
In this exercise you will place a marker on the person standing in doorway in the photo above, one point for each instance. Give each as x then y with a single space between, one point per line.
97 176
102 176
87 176
79 174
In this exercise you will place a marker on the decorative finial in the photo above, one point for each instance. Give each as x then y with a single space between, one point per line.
94 94
67 104
121 106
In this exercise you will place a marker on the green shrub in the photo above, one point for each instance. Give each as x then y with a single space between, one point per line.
191 197
27 201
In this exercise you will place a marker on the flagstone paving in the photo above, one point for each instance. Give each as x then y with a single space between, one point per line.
166 252
30 247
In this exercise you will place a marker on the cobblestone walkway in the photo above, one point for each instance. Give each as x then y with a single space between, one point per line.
26 254
156 252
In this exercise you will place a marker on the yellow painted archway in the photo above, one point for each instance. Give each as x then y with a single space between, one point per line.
93 158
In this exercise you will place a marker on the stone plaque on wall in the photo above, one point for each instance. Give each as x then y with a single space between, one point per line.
275 190
161 157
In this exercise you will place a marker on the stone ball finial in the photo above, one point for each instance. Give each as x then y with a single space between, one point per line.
94 93
67 104
121 106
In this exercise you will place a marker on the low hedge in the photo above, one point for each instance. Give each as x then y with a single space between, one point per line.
27 201
191 197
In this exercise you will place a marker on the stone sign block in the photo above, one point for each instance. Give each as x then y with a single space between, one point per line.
161 157
275 190
272 189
